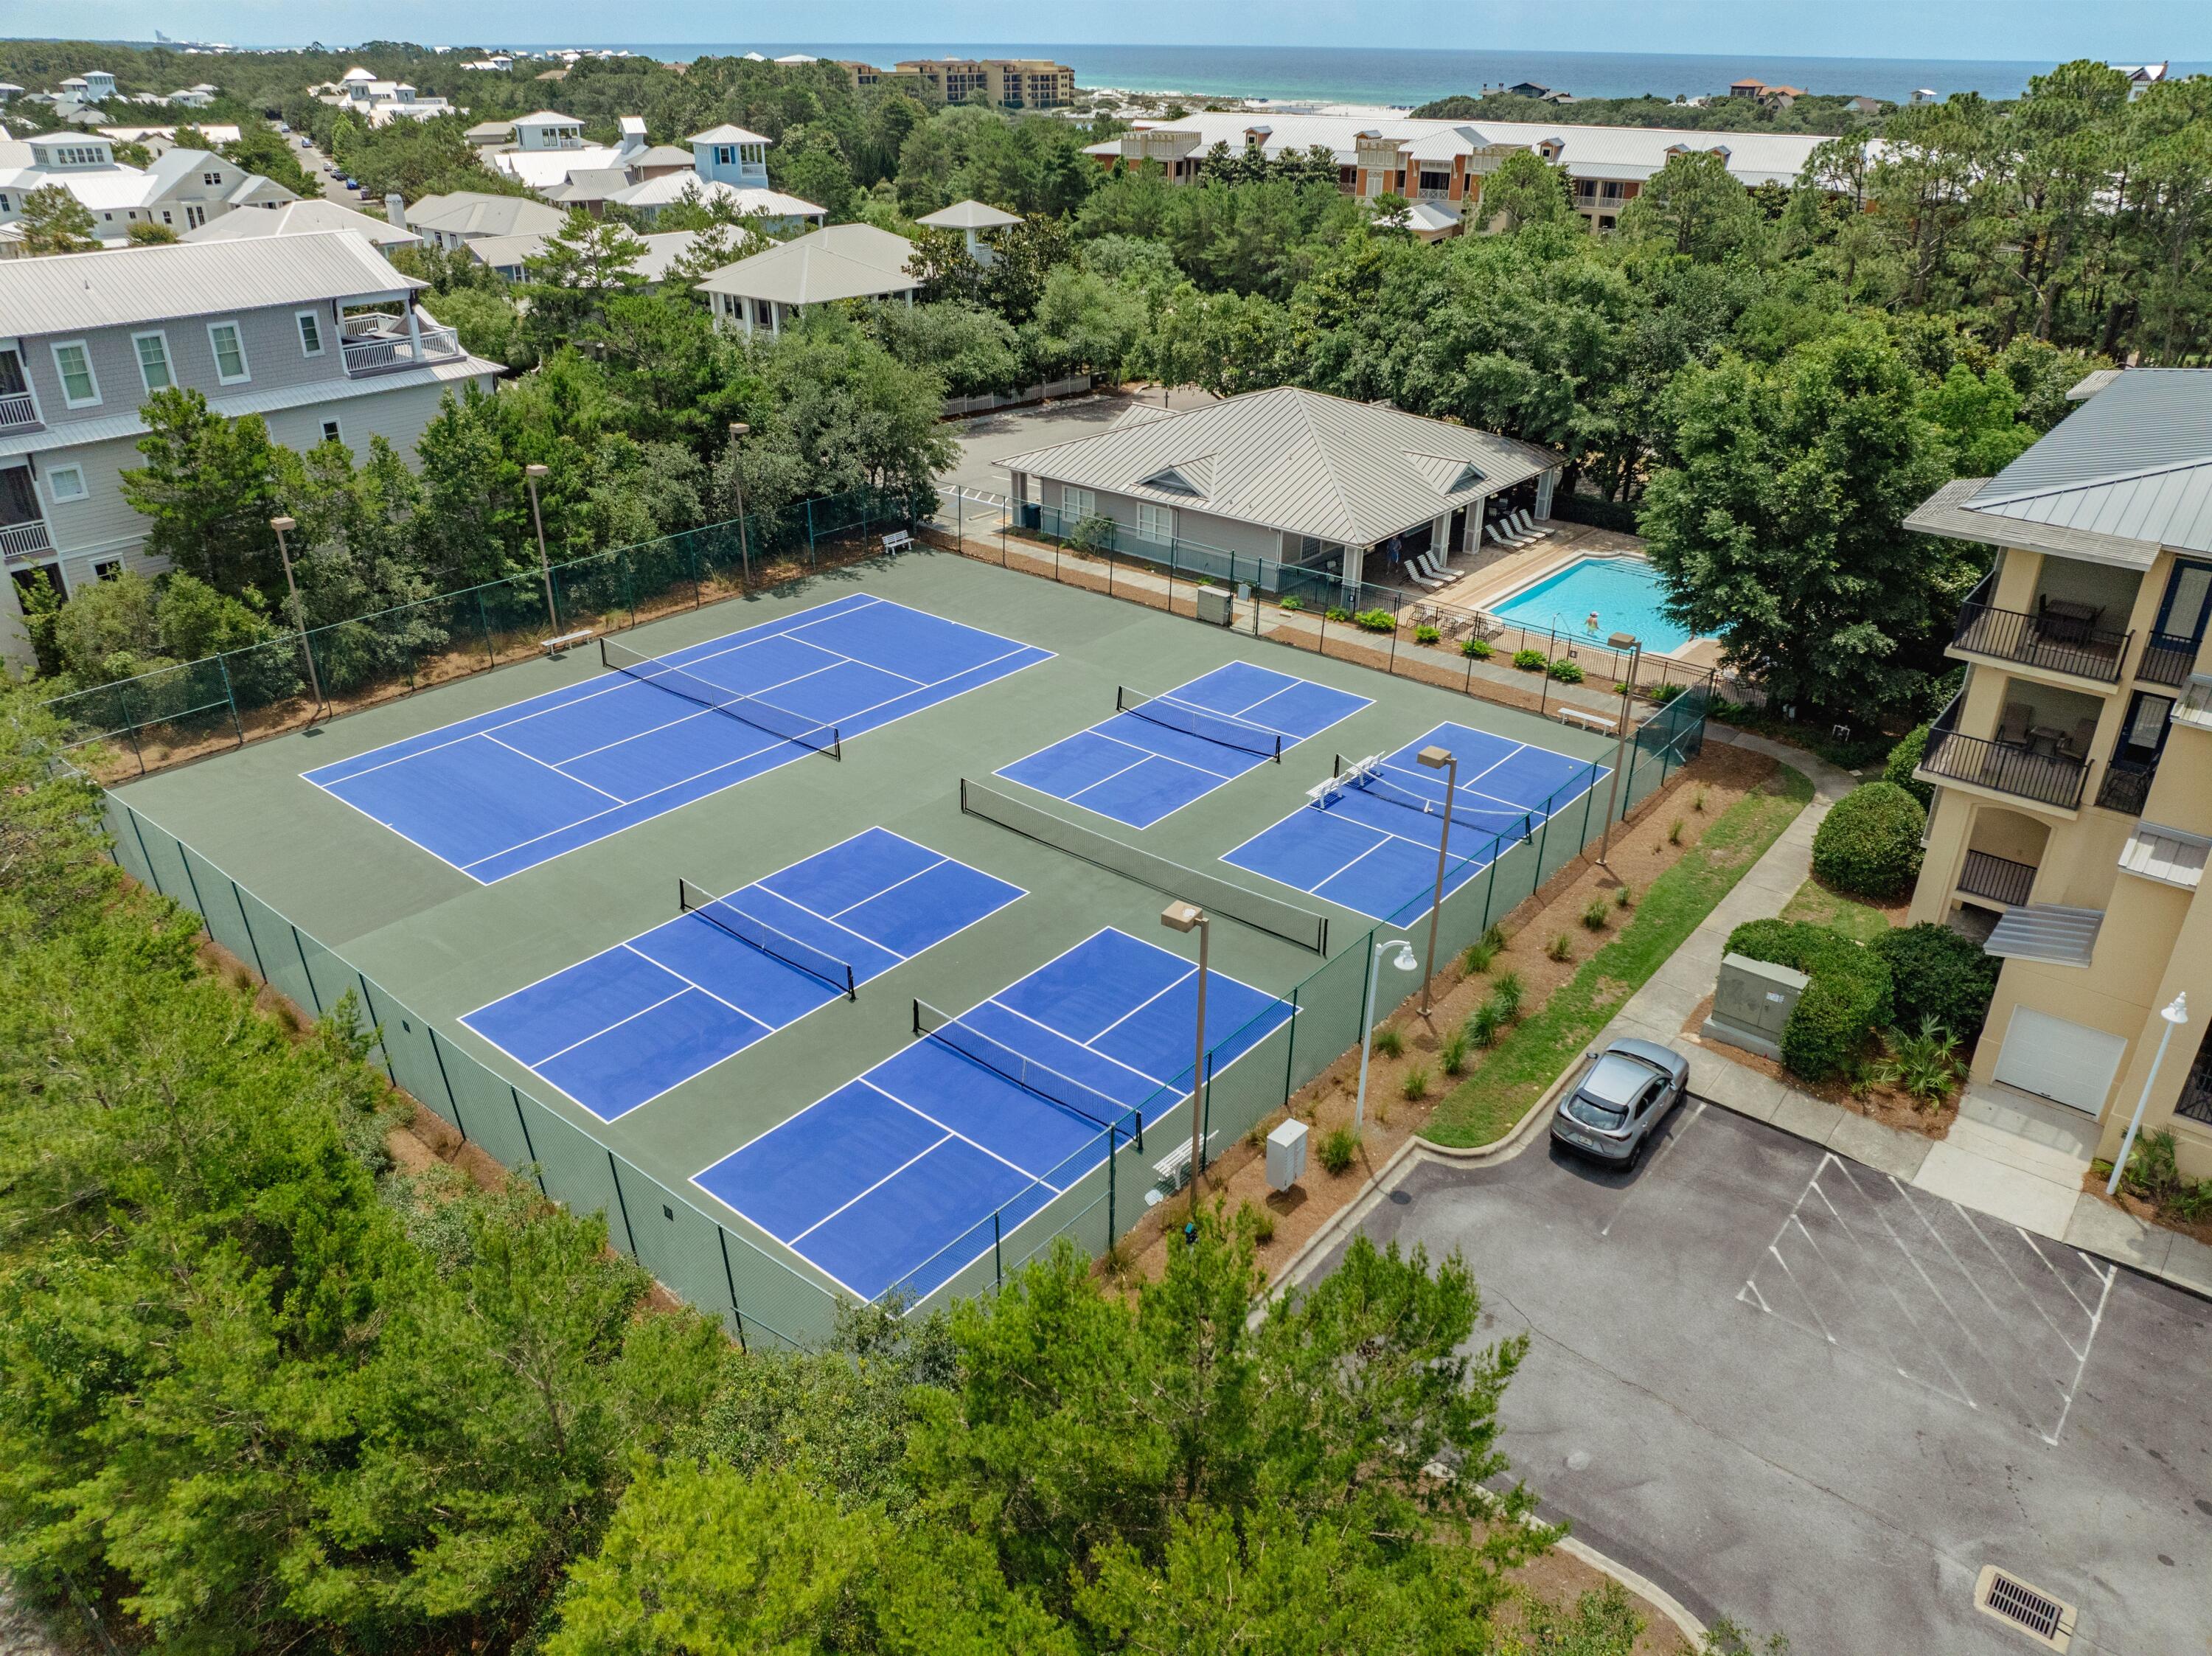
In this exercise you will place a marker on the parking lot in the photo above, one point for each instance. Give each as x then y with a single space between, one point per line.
1793 1391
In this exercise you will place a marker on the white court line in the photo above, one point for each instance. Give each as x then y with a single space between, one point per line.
1119 1063
555 769
950 1131
1187 974
700 776
627 1017
1098 731
862 902
872 1189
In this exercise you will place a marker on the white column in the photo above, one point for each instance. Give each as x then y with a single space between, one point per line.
1355 565
414 331
1440 537
1544 485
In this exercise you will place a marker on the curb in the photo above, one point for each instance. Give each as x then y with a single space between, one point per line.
1642 1586
1414 1151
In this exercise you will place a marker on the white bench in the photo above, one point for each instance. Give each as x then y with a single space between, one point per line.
897 540
1589 718
553 647
1174 1169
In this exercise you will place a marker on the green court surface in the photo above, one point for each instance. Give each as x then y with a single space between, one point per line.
437 945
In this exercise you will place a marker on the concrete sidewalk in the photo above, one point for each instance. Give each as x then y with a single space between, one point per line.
2016 1158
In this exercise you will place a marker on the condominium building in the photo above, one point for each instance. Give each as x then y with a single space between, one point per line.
2073 773
183 189
316 334
1438 166
1008 82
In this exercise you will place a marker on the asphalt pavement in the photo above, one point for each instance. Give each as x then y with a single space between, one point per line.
1800 1392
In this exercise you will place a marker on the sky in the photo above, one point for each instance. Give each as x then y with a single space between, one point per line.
2053 30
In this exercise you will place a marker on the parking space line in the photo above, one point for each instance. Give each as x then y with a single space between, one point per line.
1919 1271
1682 1126
2096 1317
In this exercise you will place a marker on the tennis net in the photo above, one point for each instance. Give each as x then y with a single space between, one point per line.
1369 777
1086 1102
781 945
1203 722
745 709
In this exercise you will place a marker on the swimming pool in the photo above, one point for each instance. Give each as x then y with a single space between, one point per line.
1624 593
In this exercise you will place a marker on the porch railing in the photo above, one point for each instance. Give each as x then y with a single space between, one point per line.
25 540
2000 879
2061 646
2126 787
2166 659
2047 778
17 410
382 351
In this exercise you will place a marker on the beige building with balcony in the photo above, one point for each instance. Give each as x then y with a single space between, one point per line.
2073 773
318 334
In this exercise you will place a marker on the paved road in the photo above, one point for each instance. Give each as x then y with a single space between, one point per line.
1796 1392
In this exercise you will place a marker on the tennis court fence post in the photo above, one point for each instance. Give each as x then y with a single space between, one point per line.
230 696
368 1003
245 919
998 1265
199 907
1112 1229
314 995
484 621
446 1081
614 1171
729 1276
537 1166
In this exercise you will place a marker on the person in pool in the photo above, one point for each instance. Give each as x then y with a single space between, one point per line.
1590 626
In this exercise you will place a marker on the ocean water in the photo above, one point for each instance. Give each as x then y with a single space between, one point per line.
1414 75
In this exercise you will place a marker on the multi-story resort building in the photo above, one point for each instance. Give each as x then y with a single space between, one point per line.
316 334
1007 82
1438 166
2073 773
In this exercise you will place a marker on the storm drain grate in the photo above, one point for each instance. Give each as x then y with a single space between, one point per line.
2035 1613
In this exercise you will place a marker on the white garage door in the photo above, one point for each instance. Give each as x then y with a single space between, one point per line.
2053 1058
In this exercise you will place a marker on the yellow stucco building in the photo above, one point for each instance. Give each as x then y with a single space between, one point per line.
2073 773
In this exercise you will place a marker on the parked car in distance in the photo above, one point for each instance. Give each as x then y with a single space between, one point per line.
1615 1110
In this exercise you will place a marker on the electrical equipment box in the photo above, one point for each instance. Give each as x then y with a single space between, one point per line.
1752 1001
1286 1154
1215 607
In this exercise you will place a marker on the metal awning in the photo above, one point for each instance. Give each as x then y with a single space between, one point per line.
2047 932
2195 706
2173 856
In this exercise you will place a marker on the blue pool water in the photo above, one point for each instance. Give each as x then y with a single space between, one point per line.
1625 592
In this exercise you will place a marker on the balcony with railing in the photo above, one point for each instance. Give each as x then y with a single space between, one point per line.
29 539
2126 785
2023 771
378 343
1999 879
2166 659
2059 640
17 411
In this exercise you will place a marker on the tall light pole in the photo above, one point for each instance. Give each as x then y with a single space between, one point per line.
2175 1015
1619 754
1439 759
282 526
739 428
1403 961
1189 917
531 474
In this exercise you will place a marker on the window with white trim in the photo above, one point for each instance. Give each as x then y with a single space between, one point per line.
1077 504
331 432
229 345
66 482
152 350
80 386
311 333
1155 523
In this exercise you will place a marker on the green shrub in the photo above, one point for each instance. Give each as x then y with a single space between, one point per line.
1848 998
1338 1149
1338 612
1528 661
1561 947
1593 914
1263 1223
1375 621
1667 693
1293 602
1924 1064
1567 672
1451 1056
1868 843
1415 1086
2156 1174
1902 759
1485 1023
1093 534
1934 973
1389 1042
1494 935
1426 635
1511 990
1477 956
1478 648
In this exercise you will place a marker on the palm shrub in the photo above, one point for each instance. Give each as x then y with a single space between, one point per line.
1925 1063
1868 843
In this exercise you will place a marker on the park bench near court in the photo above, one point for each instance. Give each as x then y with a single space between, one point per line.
553 647
897 540
1588 719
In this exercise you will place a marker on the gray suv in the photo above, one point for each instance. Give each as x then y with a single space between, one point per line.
1616 1108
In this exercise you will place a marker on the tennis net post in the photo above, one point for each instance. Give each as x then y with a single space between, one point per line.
1226 729
1107 1114
777 944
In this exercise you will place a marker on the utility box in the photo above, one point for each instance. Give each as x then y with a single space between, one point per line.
1286 1154
1752 1001
1215 607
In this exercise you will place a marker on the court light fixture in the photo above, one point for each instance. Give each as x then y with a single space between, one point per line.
531 474
1435 758
283 526
1186 917
1398 954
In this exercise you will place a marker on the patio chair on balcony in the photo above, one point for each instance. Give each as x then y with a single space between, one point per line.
2012 729
2076 746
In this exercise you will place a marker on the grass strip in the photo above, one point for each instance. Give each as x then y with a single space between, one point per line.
1484 1107
1815 903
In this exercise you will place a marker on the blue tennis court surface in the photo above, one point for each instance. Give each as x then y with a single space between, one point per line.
1140 766
621 1028
1373 847
891 1180
509 789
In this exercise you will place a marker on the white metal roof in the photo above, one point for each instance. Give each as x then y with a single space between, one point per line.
726 133
1296 460
670 187
968 215
2173 856
301 218
478 213
662 249
842 261
67 292
2046 932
